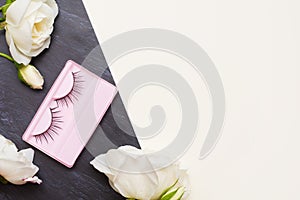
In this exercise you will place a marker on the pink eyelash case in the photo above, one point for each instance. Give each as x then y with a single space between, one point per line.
70 113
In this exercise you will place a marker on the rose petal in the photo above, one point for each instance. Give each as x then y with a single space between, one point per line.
100 164
18 56
16 166
53 6
34 179
28 154
32 8
36 50
13 17
22 34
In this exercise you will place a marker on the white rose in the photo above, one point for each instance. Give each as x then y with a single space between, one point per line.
132 174
17 167
29 24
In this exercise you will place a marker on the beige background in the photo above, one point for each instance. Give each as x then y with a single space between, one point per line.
255 46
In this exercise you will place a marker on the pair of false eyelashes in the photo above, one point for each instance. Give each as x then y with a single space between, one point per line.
56 119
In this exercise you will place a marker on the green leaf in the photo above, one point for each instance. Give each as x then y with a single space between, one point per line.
174 194
9 1
3 180
5 7
169 195
168 189
181 196
2 25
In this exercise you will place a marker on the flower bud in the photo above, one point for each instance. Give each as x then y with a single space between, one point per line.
31 76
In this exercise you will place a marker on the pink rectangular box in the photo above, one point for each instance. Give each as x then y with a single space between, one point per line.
70 113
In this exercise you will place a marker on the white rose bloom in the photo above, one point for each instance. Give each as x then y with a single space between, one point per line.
17 167
29 24
132 174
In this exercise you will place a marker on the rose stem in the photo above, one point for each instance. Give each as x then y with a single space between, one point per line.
7 57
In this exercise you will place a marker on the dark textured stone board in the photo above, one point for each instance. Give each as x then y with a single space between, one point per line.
73 38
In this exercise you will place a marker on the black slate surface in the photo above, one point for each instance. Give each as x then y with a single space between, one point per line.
73 38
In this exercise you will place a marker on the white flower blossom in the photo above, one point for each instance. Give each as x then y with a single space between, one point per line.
29 24
132 174
16 166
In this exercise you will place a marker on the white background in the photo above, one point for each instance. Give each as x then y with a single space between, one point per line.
255 46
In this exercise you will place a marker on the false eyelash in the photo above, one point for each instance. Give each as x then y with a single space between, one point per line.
53 129
73 95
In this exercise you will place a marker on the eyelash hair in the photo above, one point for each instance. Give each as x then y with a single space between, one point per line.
53 129
56 120
75 92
